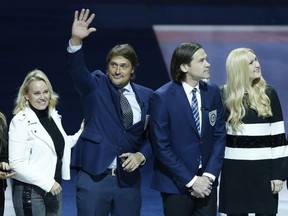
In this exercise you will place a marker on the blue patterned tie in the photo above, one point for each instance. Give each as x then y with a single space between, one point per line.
195 110
127 114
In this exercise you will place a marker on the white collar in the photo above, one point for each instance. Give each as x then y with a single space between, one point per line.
128 87
188 89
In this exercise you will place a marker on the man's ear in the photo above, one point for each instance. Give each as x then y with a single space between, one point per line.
184 67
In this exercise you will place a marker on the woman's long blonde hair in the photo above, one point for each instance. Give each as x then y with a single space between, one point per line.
21 103
240 93
3 131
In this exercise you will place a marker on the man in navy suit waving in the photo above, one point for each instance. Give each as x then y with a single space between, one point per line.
109 151
188 135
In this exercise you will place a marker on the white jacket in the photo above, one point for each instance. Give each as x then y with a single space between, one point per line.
31 149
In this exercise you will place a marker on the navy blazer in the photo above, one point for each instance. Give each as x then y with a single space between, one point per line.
104 136
178 146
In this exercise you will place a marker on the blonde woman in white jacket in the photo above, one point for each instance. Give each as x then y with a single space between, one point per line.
39 149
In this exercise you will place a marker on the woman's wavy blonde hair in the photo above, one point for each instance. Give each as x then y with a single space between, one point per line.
3 131
35 75
240 93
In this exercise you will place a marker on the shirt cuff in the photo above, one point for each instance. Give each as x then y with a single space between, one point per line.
73 49
212 177
191 182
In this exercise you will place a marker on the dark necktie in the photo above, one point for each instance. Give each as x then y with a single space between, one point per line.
195 110
127 114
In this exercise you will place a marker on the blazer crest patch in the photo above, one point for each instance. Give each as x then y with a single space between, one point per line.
212 117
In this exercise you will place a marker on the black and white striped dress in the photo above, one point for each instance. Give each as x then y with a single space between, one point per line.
254 155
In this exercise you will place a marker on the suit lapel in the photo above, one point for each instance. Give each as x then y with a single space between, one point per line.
140 99
179 95
205 97
40 131
115 100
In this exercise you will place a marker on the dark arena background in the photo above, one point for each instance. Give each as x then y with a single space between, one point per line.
34 34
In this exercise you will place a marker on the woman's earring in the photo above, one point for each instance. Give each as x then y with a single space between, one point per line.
26 102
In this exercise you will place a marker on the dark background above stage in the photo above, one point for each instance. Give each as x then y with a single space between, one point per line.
34 34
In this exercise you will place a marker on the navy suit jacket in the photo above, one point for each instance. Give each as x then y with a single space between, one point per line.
177 144
104 136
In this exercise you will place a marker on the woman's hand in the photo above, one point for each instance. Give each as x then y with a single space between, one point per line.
56 189
276 186
5 171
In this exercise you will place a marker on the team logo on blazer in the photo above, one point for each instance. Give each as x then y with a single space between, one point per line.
212 117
